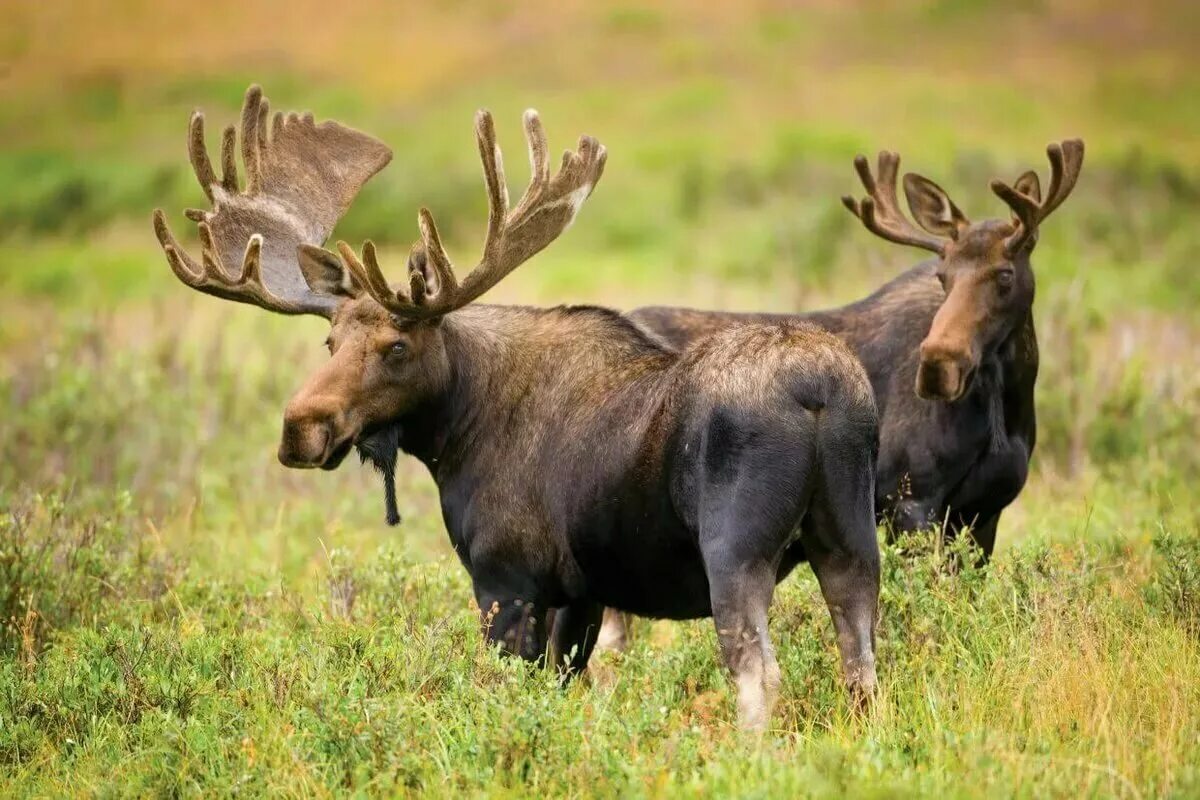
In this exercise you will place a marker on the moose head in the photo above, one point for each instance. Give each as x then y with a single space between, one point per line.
388 352
984 267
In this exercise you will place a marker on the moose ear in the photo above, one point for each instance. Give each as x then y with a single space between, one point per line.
325 273
418 261
1029 185
932 208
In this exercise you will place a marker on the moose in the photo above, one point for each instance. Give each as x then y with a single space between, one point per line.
580 463
949 346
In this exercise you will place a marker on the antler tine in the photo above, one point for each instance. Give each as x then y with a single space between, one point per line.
1026 211
249 137
539 161
435 254
211 274
180 262
880 210
547 207
229 176
198 155
493 176
1066 162
370 277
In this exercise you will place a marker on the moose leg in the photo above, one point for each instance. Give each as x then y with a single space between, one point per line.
850 586
514 621
845 557
984 534
574 636
614 632
741 594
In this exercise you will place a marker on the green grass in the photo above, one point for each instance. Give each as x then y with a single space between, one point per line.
181 615
1069 667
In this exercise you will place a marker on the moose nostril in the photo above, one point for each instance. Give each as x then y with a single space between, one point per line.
304 442
940 379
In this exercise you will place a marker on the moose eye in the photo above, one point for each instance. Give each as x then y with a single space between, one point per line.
1005 278
398 349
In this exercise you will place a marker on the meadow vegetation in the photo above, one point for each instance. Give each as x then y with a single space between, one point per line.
181 615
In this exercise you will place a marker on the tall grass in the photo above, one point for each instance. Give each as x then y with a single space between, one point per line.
1066 668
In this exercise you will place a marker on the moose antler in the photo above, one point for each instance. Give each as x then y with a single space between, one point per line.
547 208
880 210
300 178
1066 161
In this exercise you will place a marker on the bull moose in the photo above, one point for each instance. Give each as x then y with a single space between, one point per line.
580 463
949 346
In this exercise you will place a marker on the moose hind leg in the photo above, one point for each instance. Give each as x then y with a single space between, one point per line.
752 492
574 636
614 631
740 597
846 563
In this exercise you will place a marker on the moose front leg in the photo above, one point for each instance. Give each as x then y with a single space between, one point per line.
514 620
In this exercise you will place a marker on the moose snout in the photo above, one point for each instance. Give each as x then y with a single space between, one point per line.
944 372
310 436
303 444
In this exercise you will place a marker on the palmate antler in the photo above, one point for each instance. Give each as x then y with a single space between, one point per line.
1066 162
300 179
547 208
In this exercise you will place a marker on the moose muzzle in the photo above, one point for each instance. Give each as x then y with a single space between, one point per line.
311 437
944 372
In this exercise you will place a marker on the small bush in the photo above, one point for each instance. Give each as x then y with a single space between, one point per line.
62 566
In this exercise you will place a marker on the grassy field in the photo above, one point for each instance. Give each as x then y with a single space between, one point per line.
181 615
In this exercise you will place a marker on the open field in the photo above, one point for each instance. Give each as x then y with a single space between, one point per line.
179 614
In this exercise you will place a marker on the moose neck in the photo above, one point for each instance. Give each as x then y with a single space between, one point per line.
1018 358
514 366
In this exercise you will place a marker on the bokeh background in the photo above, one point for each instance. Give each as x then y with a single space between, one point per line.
134 403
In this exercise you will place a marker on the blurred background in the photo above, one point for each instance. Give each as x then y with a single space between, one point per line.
731 127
